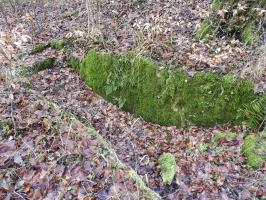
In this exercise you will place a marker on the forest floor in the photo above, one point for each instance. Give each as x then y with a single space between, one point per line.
44 154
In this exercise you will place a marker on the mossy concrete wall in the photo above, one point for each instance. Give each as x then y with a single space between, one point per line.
165 96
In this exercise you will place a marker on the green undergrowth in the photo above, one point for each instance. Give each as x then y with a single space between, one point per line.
166 96
254 148
255 113
167 165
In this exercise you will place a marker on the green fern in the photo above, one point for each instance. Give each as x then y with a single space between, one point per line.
255 113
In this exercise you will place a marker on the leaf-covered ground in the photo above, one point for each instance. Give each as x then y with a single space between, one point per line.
44 151
213 171
163 30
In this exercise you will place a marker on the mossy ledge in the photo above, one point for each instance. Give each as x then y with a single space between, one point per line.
165 96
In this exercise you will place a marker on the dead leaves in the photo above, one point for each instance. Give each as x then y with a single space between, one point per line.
7 151
54 156
201 172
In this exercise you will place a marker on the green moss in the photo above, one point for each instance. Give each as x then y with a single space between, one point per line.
57 44
164 96
39 48
45 64
167 165
250 35
254 148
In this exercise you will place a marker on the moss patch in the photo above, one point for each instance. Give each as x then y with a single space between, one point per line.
57 44
165 96
45 64
167 165
254 148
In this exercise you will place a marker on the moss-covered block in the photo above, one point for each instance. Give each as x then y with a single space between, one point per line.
162 95
250 35
44 64
254 148
39 48
57 44
167 165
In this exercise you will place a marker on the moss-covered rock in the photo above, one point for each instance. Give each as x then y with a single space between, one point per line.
233 18
39 48
254 148
166 96
57 44
44 64
167 165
